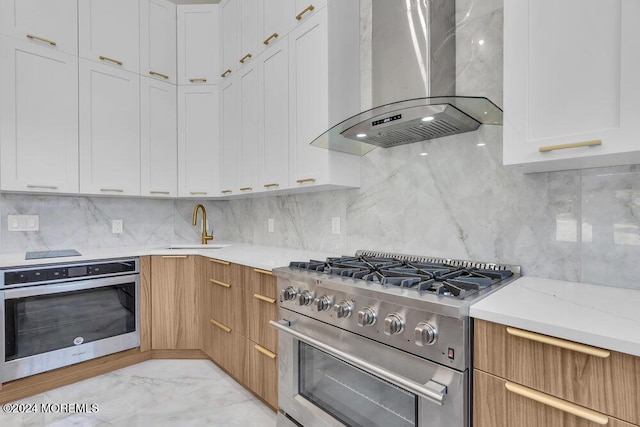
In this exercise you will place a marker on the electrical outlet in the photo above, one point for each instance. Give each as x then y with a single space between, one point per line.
13 223
270 225
117 226
23 222
32 222
335 225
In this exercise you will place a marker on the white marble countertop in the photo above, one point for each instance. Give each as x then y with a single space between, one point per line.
257 256
601 316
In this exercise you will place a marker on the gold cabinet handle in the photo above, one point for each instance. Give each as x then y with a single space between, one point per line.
217 261
244 58
158 192
32 37
274 184
246 189
556 403
195 193
309 8
264 298
557 342
112 190
164 76
46 187
226 191
226 73
302 181
220 325
174 256
218 282
105 58
199 80
261 271
271 37
571 145
264 351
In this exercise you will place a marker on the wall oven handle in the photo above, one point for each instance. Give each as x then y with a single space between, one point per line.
431 391
56 288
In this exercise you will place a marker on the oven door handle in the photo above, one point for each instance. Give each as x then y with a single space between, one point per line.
431 391
56 288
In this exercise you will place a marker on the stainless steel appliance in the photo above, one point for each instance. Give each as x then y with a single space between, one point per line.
55 315
379 339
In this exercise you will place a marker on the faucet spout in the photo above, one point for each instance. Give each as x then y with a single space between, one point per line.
205 236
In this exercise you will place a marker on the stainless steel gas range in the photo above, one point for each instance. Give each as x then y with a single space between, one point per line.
379 339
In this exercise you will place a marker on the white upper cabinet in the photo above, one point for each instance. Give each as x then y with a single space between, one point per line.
158 138
273 128
274 21
304 9
230 134
158 40
38 118
250 149
248 31
198 44
229 38
198 141
49 23
325 89
571 84
109 130
109 32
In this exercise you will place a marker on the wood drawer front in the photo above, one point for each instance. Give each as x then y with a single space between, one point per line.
260 281
262 373
495 406
224 271
227 349
260 309
609 385
226 304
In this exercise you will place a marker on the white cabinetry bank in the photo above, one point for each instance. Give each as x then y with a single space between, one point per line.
146 98
570 84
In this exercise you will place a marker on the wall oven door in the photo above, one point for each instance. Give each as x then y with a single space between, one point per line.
331 377
52 325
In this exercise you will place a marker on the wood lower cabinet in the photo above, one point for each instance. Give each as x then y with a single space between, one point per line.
261 306
227 348
592 379
261 375
224 283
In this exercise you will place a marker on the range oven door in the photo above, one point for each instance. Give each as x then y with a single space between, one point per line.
331 377
53 325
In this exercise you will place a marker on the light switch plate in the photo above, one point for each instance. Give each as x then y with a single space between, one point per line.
270 223
335 225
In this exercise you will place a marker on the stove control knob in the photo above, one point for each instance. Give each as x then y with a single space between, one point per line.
366 317
322 303
305 298
342 309
289 294
425 334
393 324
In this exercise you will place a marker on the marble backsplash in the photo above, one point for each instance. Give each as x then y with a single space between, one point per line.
456 201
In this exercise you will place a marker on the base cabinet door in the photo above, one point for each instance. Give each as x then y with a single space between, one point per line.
262 372
227 349
261 307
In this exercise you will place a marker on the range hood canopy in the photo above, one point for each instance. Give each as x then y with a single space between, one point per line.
409 121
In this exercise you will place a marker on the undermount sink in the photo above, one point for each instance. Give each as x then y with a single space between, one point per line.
198 246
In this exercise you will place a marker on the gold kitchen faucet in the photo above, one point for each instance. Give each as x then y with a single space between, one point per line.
205 236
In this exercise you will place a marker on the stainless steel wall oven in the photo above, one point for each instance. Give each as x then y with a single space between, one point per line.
55 315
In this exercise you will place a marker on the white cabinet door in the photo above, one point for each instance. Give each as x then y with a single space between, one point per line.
229 38
304 9
38 118
571 78
198 44
274 21
158 138
198 141
50 23
250 149
109 130
248 31
109 32
158 40
274 116
230 122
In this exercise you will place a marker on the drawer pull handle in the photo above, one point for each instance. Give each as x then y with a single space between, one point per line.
45 187
271 37
556 403
572 145
227 191
273 184
198 193
557 342
246 189
217 261
226 73
220 325
164 76
199 80
309 8
32 37
218 282
113 190
158 192
244 58
265 299
261 271
302 181
174 256
264 351
106 58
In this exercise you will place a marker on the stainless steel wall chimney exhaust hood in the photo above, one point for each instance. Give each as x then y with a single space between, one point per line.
413 82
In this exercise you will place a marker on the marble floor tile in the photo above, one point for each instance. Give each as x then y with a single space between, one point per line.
155 393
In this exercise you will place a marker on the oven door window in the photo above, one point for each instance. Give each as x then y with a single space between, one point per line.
351 395
43 323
